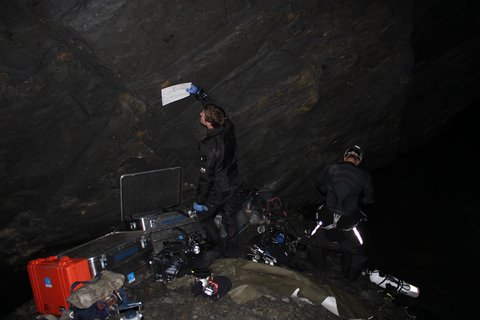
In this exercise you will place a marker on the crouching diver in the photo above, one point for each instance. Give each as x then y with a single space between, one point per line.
219 183
346 187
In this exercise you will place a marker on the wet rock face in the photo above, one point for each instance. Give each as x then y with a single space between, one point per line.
80 98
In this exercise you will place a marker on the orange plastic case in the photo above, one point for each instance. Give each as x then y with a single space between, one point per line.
51 279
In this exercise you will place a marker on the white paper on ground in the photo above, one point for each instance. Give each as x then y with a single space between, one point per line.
175 93
330 303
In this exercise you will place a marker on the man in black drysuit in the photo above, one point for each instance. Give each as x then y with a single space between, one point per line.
219 184
346 187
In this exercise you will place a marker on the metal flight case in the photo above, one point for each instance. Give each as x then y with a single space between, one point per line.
150 203
125 252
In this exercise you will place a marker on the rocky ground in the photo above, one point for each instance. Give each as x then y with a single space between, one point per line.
174 300
179 304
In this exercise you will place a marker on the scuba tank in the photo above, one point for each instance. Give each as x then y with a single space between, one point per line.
392 284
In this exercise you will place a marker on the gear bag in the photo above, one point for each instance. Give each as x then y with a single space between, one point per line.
98 298
262 206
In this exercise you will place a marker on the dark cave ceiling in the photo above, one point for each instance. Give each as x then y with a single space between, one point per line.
80 95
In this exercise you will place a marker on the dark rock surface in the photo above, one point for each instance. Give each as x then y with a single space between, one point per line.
80 101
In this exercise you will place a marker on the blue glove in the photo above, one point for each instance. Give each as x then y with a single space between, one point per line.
194 89
199 207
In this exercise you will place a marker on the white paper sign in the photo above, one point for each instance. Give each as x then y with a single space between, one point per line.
175 93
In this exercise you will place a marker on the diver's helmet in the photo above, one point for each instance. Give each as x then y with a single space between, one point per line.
354 151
